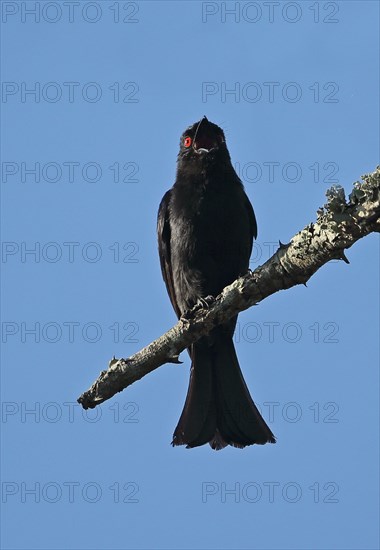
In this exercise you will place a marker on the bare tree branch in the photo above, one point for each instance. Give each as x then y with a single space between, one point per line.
339 225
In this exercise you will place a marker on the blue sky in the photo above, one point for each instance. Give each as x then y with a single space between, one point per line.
295 87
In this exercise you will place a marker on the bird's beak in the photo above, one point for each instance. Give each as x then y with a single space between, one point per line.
205 139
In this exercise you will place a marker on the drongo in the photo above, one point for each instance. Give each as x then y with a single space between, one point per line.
206 226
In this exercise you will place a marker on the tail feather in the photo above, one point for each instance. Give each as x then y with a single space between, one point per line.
239 421
198 419
219 409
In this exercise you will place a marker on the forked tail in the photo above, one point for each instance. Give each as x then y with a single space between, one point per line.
219 409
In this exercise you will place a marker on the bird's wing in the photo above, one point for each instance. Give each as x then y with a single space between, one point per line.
252 221
163 234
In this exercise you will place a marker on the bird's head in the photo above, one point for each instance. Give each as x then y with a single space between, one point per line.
203 143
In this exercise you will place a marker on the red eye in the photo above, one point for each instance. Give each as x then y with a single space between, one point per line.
187 141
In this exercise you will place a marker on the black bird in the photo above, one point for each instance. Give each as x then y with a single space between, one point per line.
206 226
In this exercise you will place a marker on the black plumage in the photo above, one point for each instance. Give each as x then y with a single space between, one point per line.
206 226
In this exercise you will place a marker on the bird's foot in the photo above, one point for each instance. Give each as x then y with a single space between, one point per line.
203 302
185 317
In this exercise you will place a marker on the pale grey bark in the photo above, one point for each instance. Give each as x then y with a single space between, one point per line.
339 225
